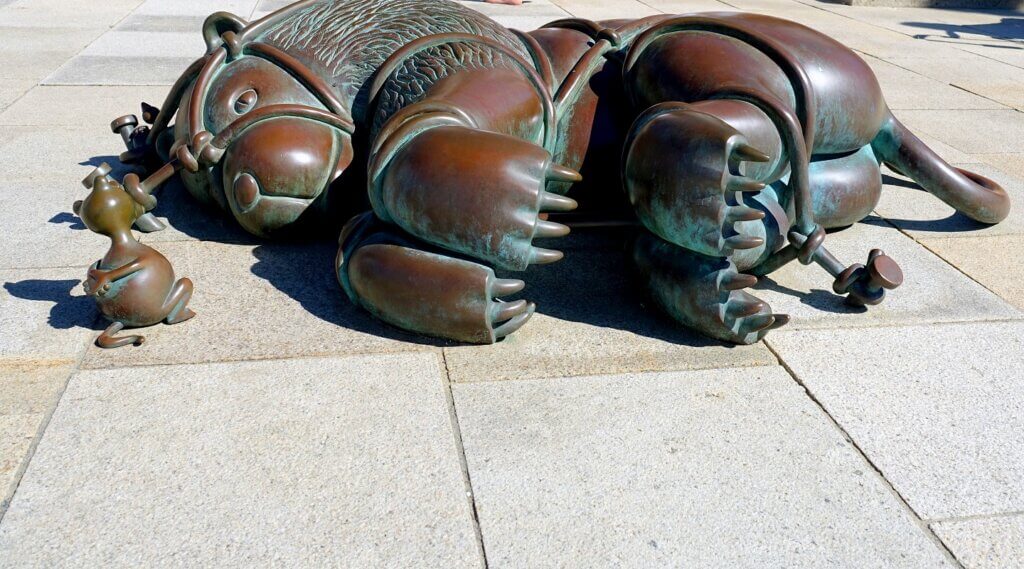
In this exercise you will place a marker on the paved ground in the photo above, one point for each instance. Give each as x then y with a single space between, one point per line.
283 427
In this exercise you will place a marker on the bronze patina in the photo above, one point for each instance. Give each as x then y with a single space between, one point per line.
739 139
133 284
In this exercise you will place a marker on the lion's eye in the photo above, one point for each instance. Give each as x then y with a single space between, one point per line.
245 102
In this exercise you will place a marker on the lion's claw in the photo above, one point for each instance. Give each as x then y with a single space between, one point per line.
485 204
696 200
704 293
559 173
554 202
514 317
505 287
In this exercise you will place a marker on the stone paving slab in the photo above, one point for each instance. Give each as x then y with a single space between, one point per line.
300 463
936 408
12 90
112 70
527 16
532 9
192 7
65 13
971 72
1011 163
49 234
947 152
973 131
916 21
60 40
552 346
988 543
260 302
31 67
27 394
180 23
17 432
724 468
875 41
27 152
606 9
921 215
148 43
995 261
29 389
271 5
932 290
907 90
89 108
45 316
688 6
1010 52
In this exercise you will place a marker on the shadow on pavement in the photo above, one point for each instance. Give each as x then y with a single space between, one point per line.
1007 29
823 300
67 311
74 222
305 272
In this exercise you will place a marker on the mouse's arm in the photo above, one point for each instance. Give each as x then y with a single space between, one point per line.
101 279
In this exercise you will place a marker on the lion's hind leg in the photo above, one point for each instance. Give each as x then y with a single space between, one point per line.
694 181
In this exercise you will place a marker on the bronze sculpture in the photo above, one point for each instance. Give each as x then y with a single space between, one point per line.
739 140
133 285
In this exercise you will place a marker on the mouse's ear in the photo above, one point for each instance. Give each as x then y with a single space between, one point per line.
77 207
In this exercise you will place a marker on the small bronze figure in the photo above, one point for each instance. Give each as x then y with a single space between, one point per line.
133 284
738 140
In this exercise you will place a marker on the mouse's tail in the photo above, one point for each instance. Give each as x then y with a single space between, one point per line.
971 194
107 340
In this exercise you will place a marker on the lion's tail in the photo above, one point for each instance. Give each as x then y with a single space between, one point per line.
971 194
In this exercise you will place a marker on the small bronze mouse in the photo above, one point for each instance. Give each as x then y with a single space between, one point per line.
133 284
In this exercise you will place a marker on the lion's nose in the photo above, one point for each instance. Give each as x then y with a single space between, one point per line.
276 169
247 191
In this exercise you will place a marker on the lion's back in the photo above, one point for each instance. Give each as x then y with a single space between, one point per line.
346 41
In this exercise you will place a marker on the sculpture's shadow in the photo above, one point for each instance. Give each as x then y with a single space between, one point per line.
1009 31
184 214
304 271
595 284
74 222
954 223
68 311
818 298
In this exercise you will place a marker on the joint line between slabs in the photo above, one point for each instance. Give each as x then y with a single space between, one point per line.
945 260
918 520
467 480
19 474
976 517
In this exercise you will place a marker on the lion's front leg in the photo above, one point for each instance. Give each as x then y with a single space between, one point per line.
423 289
459 174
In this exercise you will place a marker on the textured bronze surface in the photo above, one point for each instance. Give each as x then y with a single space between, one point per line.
732 140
